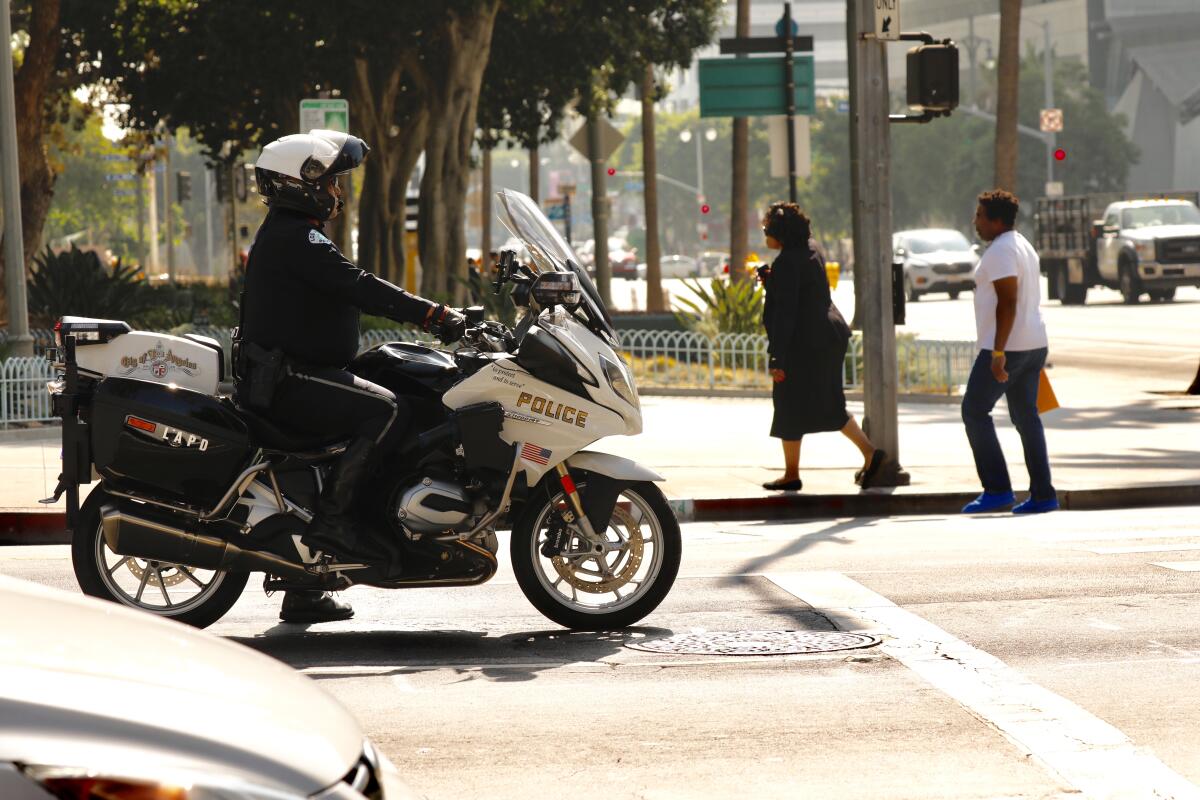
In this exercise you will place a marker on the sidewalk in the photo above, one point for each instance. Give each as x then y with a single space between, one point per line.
1113 447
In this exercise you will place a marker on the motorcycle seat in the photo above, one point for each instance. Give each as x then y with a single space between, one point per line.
272 436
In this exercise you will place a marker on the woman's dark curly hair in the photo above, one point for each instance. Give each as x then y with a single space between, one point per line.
786 223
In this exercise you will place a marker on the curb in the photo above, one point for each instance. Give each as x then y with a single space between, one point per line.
881 503
49 527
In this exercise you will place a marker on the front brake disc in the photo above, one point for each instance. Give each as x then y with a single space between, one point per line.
623 567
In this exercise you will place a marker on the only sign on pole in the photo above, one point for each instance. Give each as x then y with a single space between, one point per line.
887 20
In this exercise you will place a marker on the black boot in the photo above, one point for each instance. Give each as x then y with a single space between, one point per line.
334 528
310 606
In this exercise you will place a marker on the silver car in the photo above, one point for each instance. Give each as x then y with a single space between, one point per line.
100 701
935 260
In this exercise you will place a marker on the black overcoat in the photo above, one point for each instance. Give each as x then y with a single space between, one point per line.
807 343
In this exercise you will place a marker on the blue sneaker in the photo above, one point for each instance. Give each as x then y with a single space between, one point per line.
989 501
1032 506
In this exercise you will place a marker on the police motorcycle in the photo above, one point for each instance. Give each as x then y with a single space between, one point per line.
193 492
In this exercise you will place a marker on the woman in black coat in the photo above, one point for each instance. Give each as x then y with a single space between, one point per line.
808 339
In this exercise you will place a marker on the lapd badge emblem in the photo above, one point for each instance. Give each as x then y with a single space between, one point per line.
316 237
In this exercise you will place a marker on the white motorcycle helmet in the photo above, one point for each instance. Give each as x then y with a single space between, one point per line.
292 171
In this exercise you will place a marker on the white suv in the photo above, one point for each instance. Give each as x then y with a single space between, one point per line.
935 260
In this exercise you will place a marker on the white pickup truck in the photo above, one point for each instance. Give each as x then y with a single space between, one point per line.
1138 246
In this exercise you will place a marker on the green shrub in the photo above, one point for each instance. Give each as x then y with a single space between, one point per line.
725 307
75 282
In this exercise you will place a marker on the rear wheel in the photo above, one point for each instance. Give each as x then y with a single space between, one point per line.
602 586
193 596
1069 294
1131 287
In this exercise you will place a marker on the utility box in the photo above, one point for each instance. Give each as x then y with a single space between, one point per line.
933 77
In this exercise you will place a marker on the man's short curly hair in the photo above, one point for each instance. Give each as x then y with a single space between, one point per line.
1000 205
786 223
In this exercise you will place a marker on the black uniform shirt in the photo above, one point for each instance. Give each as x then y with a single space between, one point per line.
303 296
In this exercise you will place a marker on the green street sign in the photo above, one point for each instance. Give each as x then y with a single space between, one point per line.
753 87
330 115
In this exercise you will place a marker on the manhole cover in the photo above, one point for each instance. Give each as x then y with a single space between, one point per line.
756 643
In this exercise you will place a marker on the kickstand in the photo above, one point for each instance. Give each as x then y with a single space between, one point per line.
58 492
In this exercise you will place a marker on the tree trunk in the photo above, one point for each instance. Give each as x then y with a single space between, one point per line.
456 80
485 209
739 203
654 289
1008 83
376 98
599 210
535 176
30 85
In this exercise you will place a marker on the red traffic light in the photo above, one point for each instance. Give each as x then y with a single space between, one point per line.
704 209
1060 155
611 171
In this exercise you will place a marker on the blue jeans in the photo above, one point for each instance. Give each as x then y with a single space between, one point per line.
983 390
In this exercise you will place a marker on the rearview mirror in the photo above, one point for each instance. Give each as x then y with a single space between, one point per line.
975 248
558 289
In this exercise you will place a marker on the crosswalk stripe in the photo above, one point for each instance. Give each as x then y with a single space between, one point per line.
1179 566
1145 548
1084 750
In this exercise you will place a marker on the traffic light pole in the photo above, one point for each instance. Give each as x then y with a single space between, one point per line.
14 245
789 87
870 165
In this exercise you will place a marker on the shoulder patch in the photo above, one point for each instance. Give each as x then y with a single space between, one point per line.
316 237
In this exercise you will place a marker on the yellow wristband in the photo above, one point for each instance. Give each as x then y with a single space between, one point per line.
997 353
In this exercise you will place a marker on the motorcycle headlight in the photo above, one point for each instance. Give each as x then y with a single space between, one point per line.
620 380
1145 250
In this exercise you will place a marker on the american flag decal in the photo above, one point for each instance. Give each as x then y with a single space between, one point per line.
535 453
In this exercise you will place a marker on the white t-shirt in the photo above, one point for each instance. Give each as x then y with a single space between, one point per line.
1010 255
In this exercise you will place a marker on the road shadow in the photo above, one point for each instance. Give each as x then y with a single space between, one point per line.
513 657
832 534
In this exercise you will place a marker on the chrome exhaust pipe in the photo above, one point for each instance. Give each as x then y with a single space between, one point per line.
128 535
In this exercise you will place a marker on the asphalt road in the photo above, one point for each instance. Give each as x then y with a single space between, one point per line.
1027 658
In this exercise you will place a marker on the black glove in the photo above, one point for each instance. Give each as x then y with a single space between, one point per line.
448 324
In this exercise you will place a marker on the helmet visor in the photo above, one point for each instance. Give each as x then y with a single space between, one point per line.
353 151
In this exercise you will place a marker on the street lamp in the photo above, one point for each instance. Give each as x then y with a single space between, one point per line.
685 136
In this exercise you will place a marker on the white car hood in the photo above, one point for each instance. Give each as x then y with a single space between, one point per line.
84 683
945 257
1163 232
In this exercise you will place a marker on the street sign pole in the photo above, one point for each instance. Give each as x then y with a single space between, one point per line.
870 159
789 89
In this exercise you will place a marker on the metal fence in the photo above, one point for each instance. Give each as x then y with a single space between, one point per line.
675 361
23 395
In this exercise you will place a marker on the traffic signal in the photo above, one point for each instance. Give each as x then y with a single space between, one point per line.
223 189
1060 155
704 208
612 171
183 186
933 77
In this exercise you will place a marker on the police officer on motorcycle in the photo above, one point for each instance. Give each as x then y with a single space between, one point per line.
299 331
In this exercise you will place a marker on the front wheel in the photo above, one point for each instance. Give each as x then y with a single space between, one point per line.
598 586
1131 287
190 595
910 291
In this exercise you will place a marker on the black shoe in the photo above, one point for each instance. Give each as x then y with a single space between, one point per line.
873 468
307 606
784 486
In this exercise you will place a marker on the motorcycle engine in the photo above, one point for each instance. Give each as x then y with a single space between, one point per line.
436 506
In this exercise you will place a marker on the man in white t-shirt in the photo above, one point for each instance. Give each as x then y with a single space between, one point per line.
1012 351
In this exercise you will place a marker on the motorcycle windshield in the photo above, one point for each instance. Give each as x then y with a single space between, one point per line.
548 251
